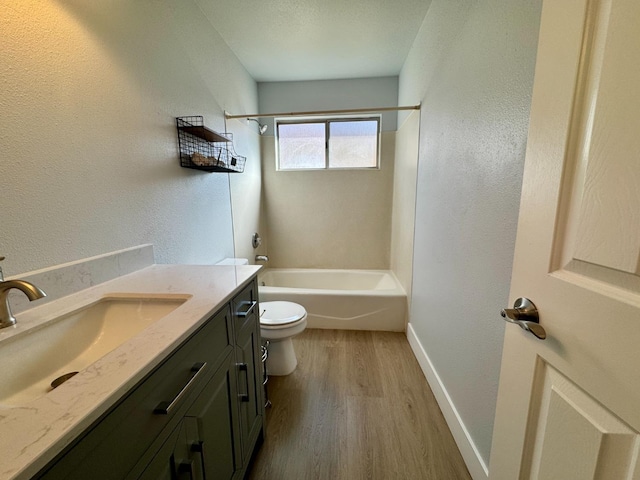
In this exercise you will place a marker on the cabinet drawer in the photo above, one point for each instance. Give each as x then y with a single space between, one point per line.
245 304
112 447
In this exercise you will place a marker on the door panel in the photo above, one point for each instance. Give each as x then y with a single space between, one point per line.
568 405
572 436
601 224
609 218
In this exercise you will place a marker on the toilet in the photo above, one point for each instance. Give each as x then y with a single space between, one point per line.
279 323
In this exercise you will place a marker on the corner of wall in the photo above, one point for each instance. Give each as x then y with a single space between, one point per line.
470 453
404 200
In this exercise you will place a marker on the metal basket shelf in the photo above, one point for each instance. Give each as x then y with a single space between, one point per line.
203 149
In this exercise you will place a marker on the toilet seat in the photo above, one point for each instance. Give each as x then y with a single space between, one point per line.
279 323
281 314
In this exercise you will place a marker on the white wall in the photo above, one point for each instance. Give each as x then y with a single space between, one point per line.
87 132
338 94
246 192
404 200
329 219
472 67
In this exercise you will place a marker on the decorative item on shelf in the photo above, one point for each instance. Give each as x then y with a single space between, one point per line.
200 160
203 149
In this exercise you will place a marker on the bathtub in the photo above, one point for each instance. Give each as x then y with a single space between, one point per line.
340 299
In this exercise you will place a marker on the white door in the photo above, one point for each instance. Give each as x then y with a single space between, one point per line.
569 405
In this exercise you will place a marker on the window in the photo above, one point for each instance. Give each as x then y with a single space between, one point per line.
328 143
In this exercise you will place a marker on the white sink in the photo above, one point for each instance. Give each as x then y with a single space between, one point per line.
32 359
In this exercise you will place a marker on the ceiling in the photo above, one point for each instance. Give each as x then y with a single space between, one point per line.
283 40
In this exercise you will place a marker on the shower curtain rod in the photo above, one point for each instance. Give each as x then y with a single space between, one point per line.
324 112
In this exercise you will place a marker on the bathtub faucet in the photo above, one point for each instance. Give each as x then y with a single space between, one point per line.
262 258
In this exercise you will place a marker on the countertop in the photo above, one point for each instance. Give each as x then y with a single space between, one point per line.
34 433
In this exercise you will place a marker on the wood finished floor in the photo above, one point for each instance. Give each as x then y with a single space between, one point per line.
357 407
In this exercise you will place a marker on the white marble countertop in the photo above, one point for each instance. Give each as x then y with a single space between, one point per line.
33 433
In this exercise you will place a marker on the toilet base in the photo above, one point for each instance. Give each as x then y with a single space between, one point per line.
282 358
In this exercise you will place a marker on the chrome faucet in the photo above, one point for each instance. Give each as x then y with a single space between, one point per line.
30 290
262 258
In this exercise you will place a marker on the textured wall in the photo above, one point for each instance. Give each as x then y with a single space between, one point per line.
246 191
277 97
88 143
329 219
472 66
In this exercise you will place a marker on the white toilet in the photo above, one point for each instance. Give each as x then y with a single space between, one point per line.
279 323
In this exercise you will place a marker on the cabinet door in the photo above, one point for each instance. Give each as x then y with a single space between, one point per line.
175 460
250 400
246 329
211 424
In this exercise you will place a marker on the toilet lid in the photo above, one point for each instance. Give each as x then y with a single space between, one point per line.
281 313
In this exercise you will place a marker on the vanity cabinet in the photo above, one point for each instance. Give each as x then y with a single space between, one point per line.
198 415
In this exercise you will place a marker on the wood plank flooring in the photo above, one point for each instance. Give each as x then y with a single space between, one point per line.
357 407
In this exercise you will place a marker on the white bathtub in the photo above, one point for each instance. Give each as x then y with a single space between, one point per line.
341 299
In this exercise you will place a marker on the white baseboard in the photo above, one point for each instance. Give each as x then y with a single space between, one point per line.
476 466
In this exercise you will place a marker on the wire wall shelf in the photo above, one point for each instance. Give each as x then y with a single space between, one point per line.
203 149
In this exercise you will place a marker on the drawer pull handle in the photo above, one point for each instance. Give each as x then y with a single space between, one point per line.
249 310
244 397
164 408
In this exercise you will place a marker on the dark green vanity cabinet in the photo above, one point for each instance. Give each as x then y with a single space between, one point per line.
197 415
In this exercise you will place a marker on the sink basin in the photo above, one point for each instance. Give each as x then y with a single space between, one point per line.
33 359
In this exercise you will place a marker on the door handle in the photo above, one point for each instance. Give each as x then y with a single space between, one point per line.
525 314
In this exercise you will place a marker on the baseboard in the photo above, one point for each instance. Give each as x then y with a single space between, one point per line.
476 466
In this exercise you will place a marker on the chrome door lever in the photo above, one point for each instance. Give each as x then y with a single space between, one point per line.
525 314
